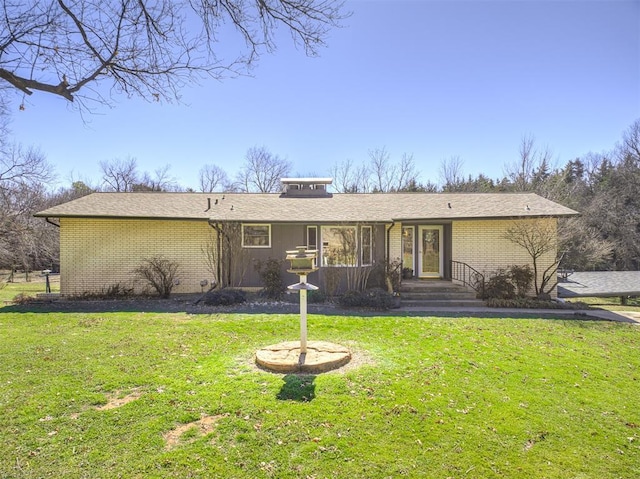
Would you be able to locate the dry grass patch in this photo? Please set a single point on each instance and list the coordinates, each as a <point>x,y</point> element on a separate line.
<point>116,399</point>
<point>196,429</point>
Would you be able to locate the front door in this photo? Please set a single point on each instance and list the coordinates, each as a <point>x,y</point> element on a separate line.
<point>430,256</point>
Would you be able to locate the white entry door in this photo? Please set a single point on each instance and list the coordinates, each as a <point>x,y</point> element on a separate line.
<point>430,257</point>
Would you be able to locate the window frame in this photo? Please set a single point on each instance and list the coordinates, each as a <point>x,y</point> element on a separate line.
<point>253,246</point>
<point>309,244</point>
<point>366,261</point>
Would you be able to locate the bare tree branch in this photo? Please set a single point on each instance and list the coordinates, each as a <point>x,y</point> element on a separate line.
<point>212,177</point>
<point>148,48</point>
<point>262,171</point>
<point>120,175</point>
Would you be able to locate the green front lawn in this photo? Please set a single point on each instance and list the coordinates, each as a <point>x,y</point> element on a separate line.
<point>8,291</point>
<point>425,397</point>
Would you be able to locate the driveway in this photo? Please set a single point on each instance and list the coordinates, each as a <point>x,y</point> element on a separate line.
<point>600,283</point>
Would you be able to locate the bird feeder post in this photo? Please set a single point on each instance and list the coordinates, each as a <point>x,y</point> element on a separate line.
<point>303,315</point>
<point>303,262</point>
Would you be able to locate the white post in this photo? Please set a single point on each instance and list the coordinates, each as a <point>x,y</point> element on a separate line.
<point>303,316</point>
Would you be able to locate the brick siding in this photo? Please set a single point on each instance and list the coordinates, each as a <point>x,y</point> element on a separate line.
<point>482,245</point>
<point>96,254</point>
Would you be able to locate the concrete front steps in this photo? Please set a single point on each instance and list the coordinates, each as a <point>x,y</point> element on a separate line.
<point>436,293</point>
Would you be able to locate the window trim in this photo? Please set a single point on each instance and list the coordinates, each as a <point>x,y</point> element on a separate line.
<point>268,245</point>
<point>369,261</point>
<point>309,245</point>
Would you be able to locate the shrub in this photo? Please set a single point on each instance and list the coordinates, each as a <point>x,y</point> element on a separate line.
<point>316,296</point>
<point>499,286</point>
<point>521,277</point>
<point>160,273</point>
<point>514,282</point>
<point>23,298</point>
<point>376,299</point>
<point>224,297</point>
<point>270,272</point>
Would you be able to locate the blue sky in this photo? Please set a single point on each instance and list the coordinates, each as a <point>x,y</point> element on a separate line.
<point>434,79</point>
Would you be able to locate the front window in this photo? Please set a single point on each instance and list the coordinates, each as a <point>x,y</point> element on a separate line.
<point>312,237</point>
<point>339,247</point>
<point>256,236</point>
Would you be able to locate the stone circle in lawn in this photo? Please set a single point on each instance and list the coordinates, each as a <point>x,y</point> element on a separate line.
<point>285,357</point>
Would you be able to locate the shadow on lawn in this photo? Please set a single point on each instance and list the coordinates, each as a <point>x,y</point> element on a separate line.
<point>297,387</point>
<point>169,306</point>
<point>187,304</point>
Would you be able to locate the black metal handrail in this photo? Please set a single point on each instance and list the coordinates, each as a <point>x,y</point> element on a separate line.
<point>468,276</point>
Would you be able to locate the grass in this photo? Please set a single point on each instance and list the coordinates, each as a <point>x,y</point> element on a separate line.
<point>8,291</point>
<point>427,397</point>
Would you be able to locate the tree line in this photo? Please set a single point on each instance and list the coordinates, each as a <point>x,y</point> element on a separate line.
<point>603,187</point>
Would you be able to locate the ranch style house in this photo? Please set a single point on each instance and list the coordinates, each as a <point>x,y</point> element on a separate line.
<point>222,237</point>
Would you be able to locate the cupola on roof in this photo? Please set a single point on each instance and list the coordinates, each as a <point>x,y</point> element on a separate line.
<point>306,187</point>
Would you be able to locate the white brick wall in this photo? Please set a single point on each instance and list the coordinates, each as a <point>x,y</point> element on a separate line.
<point>98,253</point>
<point>395,242</point>
<point>482,245</point>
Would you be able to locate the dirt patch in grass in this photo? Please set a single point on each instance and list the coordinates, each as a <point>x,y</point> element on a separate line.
<point>116,399</point>
<point>203,426</point>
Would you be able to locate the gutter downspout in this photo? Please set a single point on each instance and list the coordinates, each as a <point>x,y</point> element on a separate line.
<point>219,250</point>
<point>388,239</point>
<point>57,225</point>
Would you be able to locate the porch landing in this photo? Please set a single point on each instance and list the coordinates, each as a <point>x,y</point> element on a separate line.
<point>436,293</point>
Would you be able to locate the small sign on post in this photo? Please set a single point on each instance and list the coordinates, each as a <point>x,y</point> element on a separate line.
<point>302,262</point>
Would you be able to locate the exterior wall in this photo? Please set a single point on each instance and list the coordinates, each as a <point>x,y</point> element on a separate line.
<point>482,245</point>
<point>395,242</point>
<point>283,237</point>
<point>98,253</point>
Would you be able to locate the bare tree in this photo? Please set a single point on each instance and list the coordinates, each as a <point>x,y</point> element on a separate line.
<point>379,175</point>
<point>583,246</point>
<point>531,168</point>
<point>212,178</point>
<point>120,175</point>
<point>146,48</point>
<point>20,166</point>
<point>161,180</point>
<point>406,174</point>
<point>538,237</point>
<point>451,173</point>
<point>382,171</point>
<point>224,255</point>
<point>24,241</point>
<point>629,150</point>
<point>350,178</point>
<point>262,171</point>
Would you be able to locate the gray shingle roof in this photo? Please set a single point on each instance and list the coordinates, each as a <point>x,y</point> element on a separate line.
<point>270,207</point>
